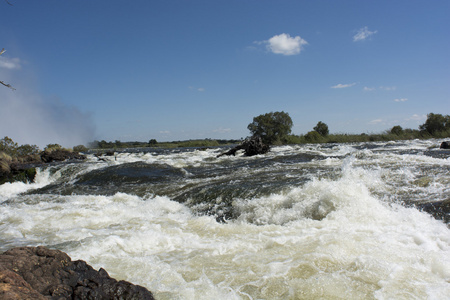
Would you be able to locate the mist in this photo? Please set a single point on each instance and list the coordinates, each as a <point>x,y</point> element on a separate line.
<point>28,117</point>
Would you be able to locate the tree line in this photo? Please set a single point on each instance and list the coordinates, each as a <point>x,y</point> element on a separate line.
<point>275,129</point>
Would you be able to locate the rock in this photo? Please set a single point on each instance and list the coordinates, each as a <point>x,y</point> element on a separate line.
<point>60,155</point>
<point>13,286</point>
<point>41,273</point>
<point>251,146</point>
<point>445,145</point>
<point>438,209</point>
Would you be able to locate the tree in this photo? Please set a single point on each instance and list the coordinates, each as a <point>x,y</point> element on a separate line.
<point>435,123</point>
<point>397,130</point>
<point>271,127</point>
<point>8,146</point>
<point>152,142</point>
<point>321,128</point>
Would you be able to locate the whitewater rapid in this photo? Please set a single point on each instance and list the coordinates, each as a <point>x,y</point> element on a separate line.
<point>341,227</point>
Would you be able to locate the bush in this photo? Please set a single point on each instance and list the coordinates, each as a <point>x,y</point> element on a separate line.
<point>313,137</point>
<point>80,148</point>
<point>52,147</point>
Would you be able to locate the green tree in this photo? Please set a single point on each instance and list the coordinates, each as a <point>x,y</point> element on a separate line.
<point>322,128</point>
<point>397,130</point>
<point>271,127</point>
<point>152,142</point>
<point>27,150</point>
<point>435,123</point>
<point>8,146</point>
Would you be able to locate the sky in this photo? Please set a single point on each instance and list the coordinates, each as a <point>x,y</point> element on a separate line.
<point>188,69</point>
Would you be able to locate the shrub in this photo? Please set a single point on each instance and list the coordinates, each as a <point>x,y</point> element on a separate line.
<point>80,148</point>
<point>52,147</point>
<point>313,137</point>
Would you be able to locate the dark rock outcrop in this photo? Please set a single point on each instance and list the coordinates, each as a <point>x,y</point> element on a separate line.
<point>251,146</point>
<point>445,145</point>
<point>41,273</point>
<point>60,155</point>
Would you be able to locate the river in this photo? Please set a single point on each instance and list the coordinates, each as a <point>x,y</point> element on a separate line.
<point>322,221</point>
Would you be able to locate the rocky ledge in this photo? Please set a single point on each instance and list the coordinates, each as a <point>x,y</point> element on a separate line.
<point>42,273</point>
<point>24,168</point>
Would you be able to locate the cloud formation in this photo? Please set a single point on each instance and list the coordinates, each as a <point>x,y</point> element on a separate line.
<point>368,89</point>
<point>363,34</point>
<point>401,100</point>
<point>342,86</point>
<point>285,44</point>
<point>9,63</point>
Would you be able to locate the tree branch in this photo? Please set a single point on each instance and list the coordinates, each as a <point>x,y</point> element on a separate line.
<point>5,84</point>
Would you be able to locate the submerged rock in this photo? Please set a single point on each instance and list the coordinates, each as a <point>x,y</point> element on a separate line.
<point>438,209</point>
<point>42,273</point>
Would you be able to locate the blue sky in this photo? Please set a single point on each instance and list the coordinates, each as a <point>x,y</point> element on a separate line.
<point>177,70</point>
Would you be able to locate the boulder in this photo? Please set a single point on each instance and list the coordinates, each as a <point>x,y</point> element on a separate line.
<point>251,146</point>
<point>42,273</point>
<point>445,145</point>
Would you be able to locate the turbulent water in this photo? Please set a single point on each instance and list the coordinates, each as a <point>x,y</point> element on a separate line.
<point>335,221</point>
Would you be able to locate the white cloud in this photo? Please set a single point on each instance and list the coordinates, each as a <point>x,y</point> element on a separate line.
<point>197,89</point>
<point>401,100</point>
<point>376,121</point>
<point>342,86</point>
<point>388,88</point>
<point>9,63</point>
<point>363,34</point>
<point>165,132</point>
<point>285,44</point>
<point>368,89</point>
<point>416,117</point>
<point>222,130</point>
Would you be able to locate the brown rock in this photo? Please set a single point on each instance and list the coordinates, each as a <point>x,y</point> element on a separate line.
<point>53,275</point>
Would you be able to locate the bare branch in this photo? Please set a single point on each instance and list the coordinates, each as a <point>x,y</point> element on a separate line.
<point>8,2</point>
<point>5,84</point>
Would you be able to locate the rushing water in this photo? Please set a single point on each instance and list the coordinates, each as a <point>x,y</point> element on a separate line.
<point>339,221</point>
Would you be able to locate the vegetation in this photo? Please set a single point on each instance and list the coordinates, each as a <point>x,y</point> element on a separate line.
<point>436,124</point>
<point>273,127</point>
<point>154,144</point>
<point>322,128</point>
<point>11,148</point>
